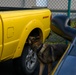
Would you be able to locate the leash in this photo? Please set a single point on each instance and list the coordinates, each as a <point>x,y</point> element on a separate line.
<point>52,54</point>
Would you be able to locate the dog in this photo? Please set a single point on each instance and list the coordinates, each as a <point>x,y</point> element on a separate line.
<point>46,53</point>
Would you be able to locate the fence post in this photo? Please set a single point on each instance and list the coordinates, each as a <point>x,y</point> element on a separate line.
<point>68,13</point>
<point>69,7</point>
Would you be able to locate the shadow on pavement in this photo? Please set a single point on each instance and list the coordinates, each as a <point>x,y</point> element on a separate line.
<point>6,68</point>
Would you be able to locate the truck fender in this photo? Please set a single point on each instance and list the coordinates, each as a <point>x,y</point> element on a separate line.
<point>27,30</point>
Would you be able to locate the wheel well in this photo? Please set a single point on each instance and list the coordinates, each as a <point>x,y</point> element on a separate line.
<point>36,32</point>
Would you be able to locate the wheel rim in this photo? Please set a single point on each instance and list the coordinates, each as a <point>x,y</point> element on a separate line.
<point>31,59</point>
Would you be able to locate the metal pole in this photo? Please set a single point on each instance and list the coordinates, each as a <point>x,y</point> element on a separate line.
<point>69,7</point>
<point>68,13</point>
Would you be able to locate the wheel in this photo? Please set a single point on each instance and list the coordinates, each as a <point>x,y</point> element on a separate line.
<point>27,63</point>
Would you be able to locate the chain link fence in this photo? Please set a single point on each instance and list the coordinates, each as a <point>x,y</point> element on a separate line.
<point>56,6</point>
<point>51,4</point>
<point>11,3</point>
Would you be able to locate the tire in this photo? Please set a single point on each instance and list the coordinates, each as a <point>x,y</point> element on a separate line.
<point>26,64</point>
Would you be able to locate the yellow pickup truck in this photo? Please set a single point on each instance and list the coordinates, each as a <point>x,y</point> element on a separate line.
<point>16,25</point>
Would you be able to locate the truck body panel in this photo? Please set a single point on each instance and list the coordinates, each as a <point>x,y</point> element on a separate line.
<point>17,25</point>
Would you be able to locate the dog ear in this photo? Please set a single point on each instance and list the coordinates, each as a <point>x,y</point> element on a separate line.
<point>31,39</point>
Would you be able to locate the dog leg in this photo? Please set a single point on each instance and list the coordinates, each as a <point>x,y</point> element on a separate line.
<point>41,68</point>
<point>49,69</point>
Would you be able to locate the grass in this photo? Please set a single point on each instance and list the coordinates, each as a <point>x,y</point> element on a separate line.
<point>55,39</point>
<point>73,23</point>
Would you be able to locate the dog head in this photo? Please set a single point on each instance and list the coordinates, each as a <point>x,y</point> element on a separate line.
<point>34,42</point>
